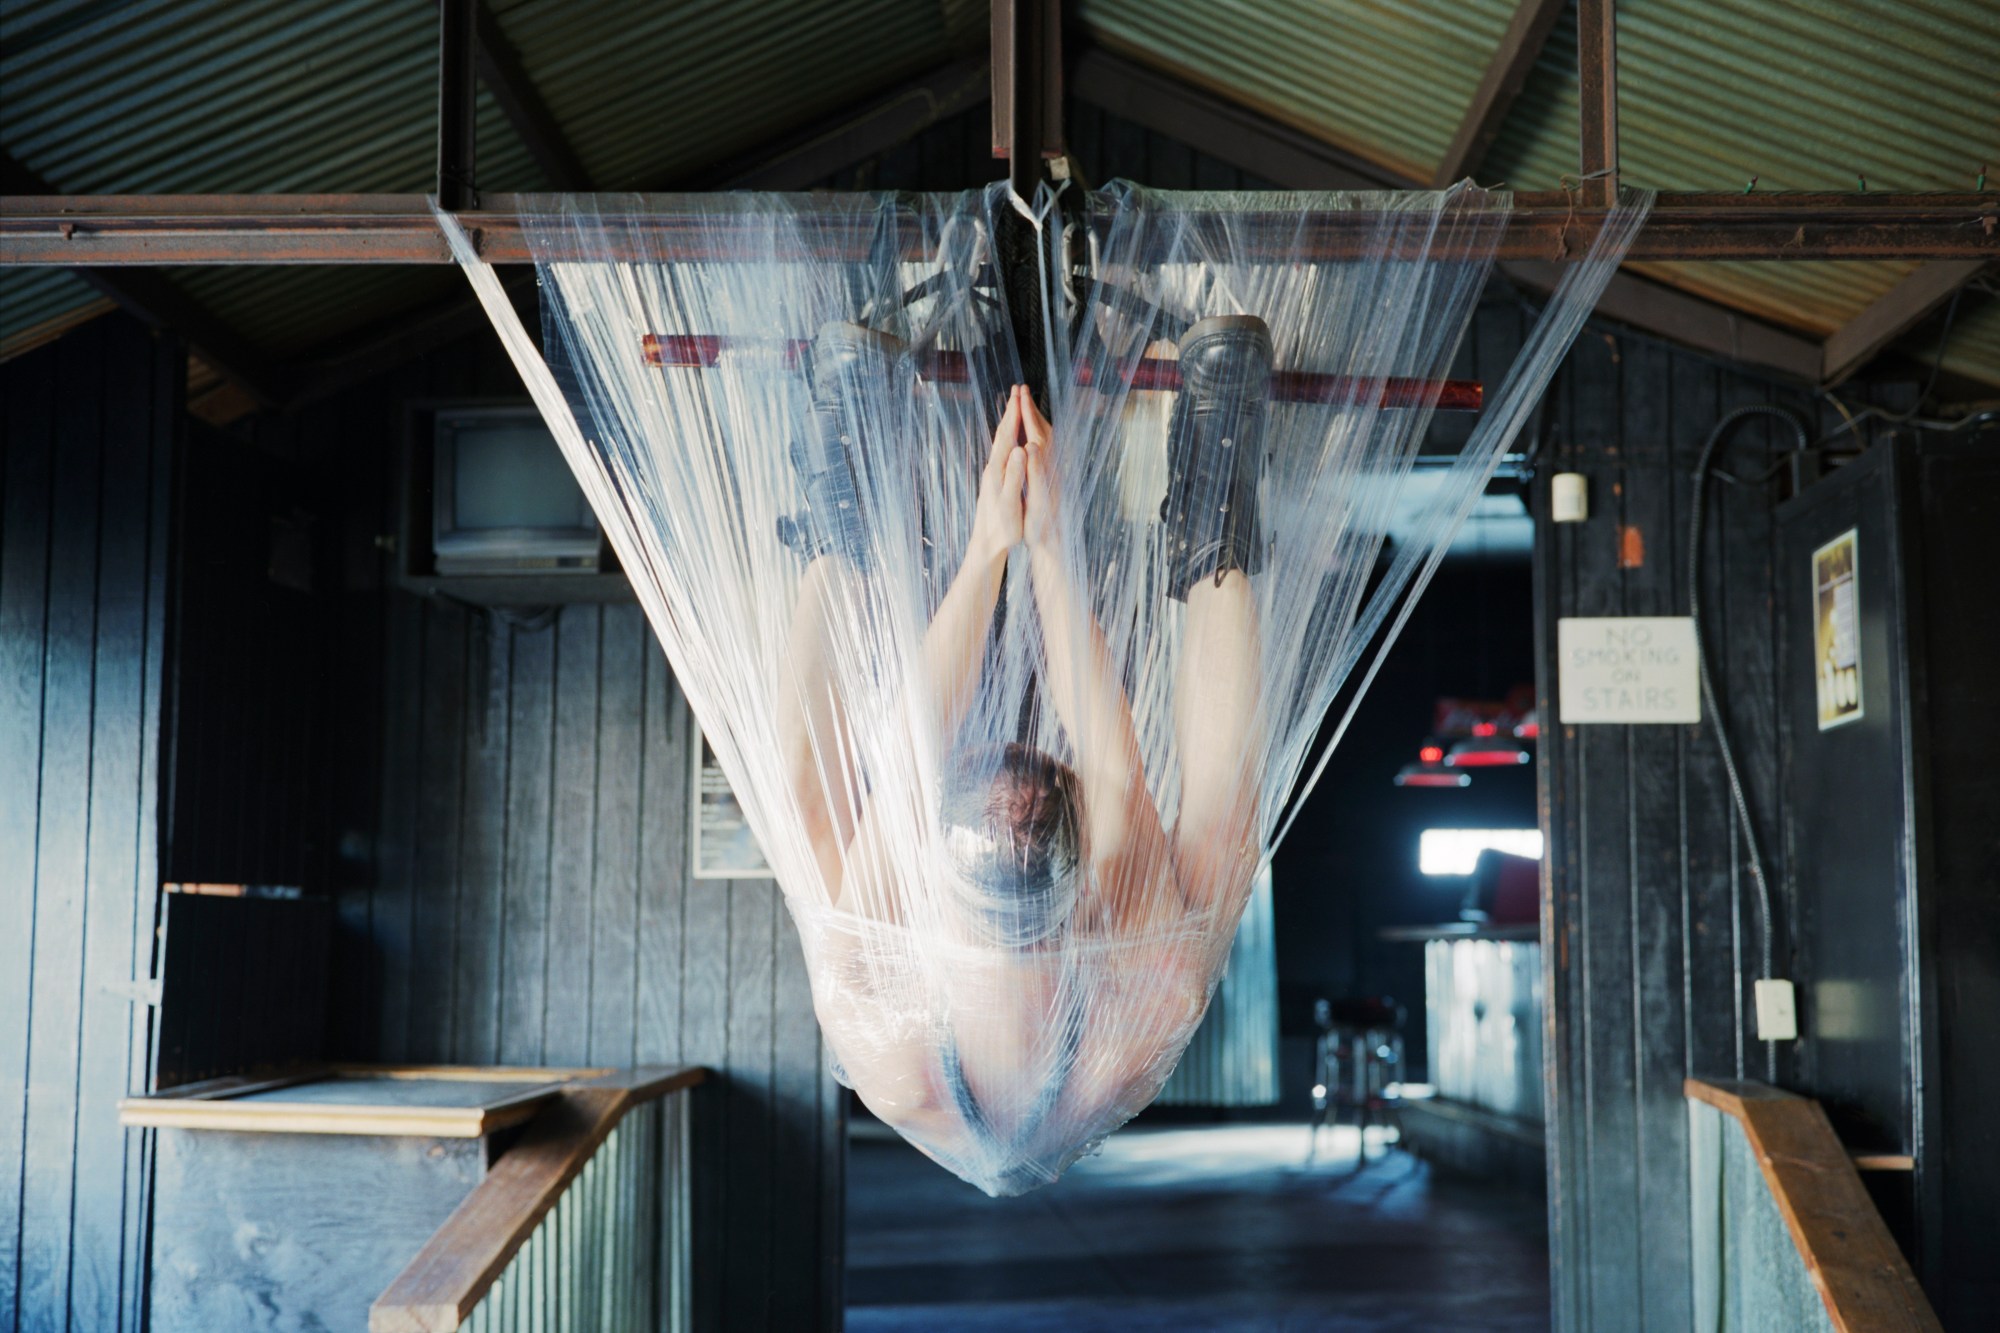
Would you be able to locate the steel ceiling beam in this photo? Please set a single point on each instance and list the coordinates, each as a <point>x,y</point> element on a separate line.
<point>101,230</point>
<point>1597,99</point>
<point>1506,74</point>
<point>458,107</point>
<point>1027,88</point>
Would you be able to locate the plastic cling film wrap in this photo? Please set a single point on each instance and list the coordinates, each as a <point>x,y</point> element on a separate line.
<point>1014,703</point>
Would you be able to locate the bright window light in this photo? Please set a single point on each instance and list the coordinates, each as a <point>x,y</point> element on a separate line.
<point>1455,851</point>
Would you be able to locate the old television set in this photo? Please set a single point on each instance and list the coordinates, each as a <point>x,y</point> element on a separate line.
<point>503,501</point>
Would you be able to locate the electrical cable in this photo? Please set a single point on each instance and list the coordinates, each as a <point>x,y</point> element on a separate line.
<point>1738,799</point>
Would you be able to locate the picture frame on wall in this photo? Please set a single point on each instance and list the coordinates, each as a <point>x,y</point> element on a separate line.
<point>723,847</point>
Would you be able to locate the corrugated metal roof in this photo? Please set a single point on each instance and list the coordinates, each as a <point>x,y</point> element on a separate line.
<point>647,94</point>
<point>40,303</point>
<point>247,96</point>
<point>107,96</point>
<point>1802,94</point>
<point>1386,82</point>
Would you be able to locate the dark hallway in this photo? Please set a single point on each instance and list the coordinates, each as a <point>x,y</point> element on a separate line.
<point>1210,1228</point>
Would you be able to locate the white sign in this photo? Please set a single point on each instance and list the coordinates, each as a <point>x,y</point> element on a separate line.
<point>1627,669</point>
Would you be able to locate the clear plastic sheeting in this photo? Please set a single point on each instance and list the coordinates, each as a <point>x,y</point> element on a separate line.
<point>1013,701</point>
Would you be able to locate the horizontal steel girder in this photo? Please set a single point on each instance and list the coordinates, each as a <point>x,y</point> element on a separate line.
<point>399,229</point>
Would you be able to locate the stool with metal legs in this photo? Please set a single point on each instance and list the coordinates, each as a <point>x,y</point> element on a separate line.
<point>1359,1065</point>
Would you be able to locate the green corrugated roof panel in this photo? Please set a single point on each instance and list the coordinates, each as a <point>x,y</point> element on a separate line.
<point>1973,347</point>
<point>1803,94</point>
<point>1386,82</point>
<point>692,84</point>
<point>231,96</point>
<point>242,96</point>
<point>34,301</point>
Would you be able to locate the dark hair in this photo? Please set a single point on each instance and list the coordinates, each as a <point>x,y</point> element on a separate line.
<point>1011,824</point>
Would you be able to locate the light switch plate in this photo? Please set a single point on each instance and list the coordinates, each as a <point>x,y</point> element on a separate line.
<point>1777,1011</point>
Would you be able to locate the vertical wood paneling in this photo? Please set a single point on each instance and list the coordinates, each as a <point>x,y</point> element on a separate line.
<point>572,837</point>
<point>1658,887</point>
<point>548,885</point>
<point>393,909</point>
<point>434,858</point>
<point>617,782</point>
<point>86,467</point>
<point>747,1178</point>
<point>524,899</point>
<point>482,834</point>
<point>29,453</point>
<point>61,859</point>
<point>1650,925</point>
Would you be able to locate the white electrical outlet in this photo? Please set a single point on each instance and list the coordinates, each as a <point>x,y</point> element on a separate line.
<point>1777,1010</point>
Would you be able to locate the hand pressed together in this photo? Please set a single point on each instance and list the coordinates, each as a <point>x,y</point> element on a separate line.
<point>1017,500</point>
<point>997,520</point>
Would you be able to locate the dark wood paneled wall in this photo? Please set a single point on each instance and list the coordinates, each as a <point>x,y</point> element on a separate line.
<point>89,439</point>
<point>1649,914</point>
<point>533,905</point>
<point>505,838</point>
<point>244,776</point>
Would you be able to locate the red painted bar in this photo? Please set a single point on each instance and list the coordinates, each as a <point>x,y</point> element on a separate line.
<point>1152,375</point>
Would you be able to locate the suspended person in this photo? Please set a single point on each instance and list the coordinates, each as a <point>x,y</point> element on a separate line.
<point>1079,938</point>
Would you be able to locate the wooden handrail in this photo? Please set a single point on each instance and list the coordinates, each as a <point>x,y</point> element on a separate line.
<point>461,1261</point>
<point>1849,1254</point>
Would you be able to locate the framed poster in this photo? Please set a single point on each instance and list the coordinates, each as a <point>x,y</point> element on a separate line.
<point>1836,632</point>
<point>723,845</point>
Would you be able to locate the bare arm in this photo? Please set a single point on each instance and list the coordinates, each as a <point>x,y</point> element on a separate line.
<point>1087,694</point>
<point>954,647</point>
<point>955,643</point>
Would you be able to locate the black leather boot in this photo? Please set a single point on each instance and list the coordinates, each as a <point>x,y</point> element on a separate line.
<point>860,390</point>
<point>1215,451</point>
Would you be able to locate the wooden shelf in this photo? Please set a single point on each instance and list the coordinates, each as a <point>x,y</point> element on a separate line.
<point>451,1102</point>
<point>521,589</point>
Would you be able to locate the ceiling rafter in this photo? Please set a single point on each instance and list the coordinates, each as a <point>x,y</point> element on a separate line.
<point>1296,161</point>
<point>1894,313</point>
<point>790,162</point>
<point>506,77</point>
<point>151,297</point>
<point>1506,74</point>
<point>1597,99</point>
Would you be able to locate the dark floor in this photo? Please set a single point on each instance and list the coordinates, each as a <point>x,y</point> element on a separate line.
<point>1194,1229</point>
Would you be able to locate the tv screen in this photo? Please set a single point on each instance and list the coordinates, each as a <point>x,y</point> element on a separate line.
<point>504,501</point>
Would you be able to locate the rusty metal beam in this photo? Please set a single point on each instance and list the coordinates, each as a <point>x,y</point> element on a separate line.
<point>154,299</point>
<point>500,69</point>
<point>1597,98</point>
<point>1893,314</point>
<point>1295,161</point>
<point>1506,74</point>
<point>105,230</point>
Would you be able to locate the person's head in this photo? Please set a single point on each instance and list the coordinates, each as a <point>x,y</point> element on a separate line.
<point>1011,830</point>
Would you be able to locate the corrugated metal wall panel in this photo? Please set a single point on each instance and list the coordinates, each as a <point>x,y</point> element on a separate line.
<point>1233,1058</point>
